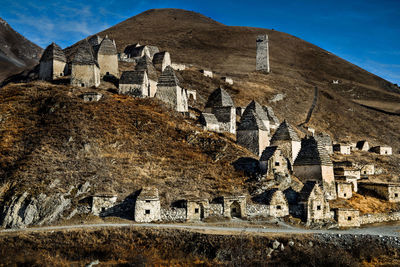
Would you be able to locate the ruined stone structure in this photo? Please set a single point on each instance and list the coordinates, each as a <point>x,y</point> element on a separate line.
<point>362,145</point>
<point>137,51</point>
<point>221,105</point>
<point>197,209</point>
<point>344,189</point>
<point>178,66</point>
<point>234,206</point>
<point>169,91</point>
<point>287,140</point>
<point>228,80</point>
<point>53,63</point>
<point>207,73</point>
<point>161,60</point>
<point>252,132</point>
<point>273,120</point>
<point>107,57</point>
<point>209,122</point>
<point>95,40</point>
<point>367,169</point>
<point>192,95</point>
<point>153,50</point>
<point>91,96</point>
<point>262,59</point>
<point>134,83</point>
<point>314,163</point>
<point>145,63</point>
<point>85,69</point>
<point>382,150</point>
<point>347,171</point>
<point>277,203</point>
<point>344,149</point>
<point>272,161</point>
<point>325,140</point>
<point>348,179</point>
<point>347,217</point>
<point>314,205</point>
<point>390,192</point>
<point>101,203</point>
<point>147,206</point>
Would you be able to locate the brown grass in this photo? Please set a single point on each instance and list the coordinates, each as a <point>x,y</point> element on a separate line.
<point>366,204</point>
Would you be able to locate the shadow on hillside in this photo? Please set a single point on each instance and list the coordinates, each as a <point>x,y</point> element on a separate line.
<point>111,79</point>
<point>249,166</point>
<point>125,209</point>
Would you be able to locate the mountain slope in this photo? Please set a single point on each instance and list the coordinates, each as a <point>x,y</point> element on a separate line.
<point>16,52</point>
<point>297,67</point>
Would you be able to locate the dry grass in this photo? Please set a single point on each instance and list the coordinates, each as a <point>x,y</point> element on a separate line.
<point>366,204</point>
<point>118,144</point>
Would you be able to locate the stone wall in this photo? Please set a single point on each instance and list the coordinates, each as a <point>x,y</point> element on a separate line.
<point>344,190</point>
<point>100,204</point>
<point>178,66</point>
<point>133,89</point>
<point>216,210</point>
<point>347,217</point>
<point>108,63</point>
<point>50,70</point>
<point>262,58</point>
<point>380,217</point>
<point>173,215</point>
<point>147,210</point>
<point>85,75</point>
<point>226,117</point>
<point>257,210</point>
<point>174,96</point>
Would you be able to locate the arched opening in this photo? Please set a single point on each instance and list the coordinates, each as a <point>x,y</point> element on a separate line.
<point>235,210</point>
<point>82,85</point>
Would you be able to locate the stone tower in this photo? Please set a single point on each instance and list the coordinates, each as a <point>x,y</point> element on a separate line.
<point>262,53</point>
<point>53,63</point>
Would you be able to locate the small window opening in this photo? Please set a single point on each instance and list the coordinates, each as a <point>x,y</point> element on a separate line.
<point>276,163</point>
<point>107,73</point>
<point>147,201</point>
<point>196,210</point>
<point>344,194</point>
<point>318,207</point>
<point>103,209</point>
<point>396,195</point>
<point>234,210</point>
<point>365,172</point>
<point>278,207</point>
<point>349,218</point>
<point>82,85</point>
<point>147,212</point>
<point>61,74</point>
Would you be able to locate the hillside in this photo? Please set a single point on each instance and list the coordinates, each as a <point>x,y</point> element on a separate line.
<point>52,143</point>
<point>16,52</point>
<point>297,67</point>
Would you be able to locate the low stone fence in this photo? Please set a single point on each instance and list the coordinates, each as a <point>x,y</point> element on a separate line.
<point>379,217</point>
<point>173,214</point>
<point>257,210</point>
<point>216,210</point>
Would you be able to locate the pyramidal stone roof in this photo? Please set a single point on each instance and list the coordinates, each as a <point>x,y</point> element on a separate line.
<point>312,153</point>
<point>307,189</point>
<point>251,121</point>
<point>107,47</point>
<point>132,77</point>
<point>84,55</point>
<point>268,152</point>
<point>271,115</point>
<point>209,119</point>
<point>148,193</point>
<point>145,63</point>
<point>285,132</point>
<point>53,52</point>
<point>134,51</point>
<point>159,57</point>
<point>168,78</point>
<point>323,139</point>
<point>94,40</point>
<point>219,98</point>
<point>258,109</point>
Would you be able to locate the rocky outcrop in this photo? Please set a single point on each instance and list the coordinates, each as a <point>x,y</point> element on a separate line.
<point>26,210</point>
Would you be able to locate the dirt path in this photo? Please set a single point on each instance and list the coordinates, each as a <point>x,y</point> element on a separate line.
<point>383,230</point>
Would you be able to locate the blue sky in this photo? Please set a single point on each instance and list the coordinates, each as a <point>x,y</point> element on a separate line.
<point>364,32</point>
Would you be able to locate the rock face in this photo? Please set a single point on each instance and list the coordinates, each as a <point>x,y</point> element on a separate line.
<point>27,210</point>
